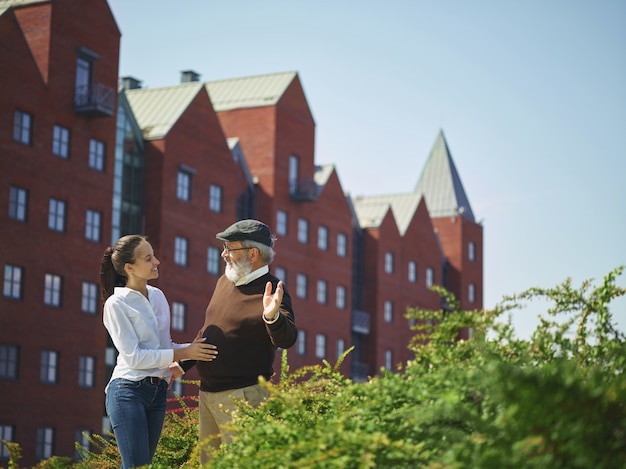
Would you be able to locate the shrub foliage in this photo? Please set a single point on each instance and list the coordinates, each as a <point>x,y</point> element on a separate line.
<point>555,400</point>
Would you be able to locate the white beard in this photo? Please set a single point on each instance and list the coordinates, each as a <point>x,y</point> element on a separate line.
<point>235,270</point>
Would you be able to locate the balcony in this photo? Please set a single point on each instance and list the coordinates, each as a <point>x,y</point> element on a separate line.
<point>360,322</point>
<point>94,100</point>
<point>304,191</point>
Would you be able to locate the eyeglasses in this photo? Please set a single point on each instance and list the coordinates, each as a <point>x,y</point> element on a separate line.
<point>229,250</point>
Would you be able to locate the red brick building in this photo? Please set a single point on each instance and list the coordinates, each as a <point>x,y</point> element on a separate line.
<point>82,163</point>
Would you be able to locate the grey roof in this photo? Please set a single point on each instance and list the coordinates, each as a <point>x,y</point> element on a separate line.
<point>441,185</point>
<point>245,92</point>
<point>158,109</point>
<point>6,4</point>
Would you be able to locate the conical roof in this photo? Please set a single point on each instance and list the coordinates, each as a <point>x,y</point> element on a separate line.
<point>441,186</point>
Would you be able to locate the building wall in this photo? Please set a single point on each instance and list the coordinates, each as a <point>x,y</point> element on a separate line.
<point>39,45</point>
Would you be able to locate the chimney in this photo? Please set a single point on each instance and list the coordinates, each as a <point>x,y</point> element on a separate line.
<point>130,83</point>
<point>187,76</point>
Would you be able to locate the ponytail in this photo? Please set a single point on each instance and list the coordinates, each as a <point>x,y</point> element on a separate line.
<point>114,259</point>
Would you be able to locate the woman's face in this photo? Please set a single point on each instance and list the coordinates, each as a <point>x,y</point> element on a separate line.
<point>146,265</point>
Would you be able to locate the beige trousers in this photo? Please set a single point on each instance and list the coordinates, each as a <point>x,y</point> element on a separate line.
<point>215,412</point>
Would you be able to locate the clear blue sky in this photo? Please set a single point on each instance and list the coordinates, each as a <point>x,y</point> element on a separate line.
<point>531,96</point>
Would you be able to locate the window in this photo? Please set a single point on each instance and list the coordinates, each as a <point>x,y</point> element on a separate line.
<point>61,141</point>
<point>183,185</point>
<point>322,238</point>
<point>340,297</point>
<point>389,262</point>
<point>281,273</point>
<point>471,293</point>
<point>430,276</point>
<point>13,286</point>
<point>303,230</point>
<point>294,164</point>
<point>45,443</point>
<point>56,215</point>
<point>89,300</point>
<point>86,371</point>
<point>49,364</point>
<point>83,77</point>
<point>320,346</point>
<point>341,347</point>
<point>321,291</point>
<point>388,359</point>
<point>301,343</point>
<point>177,388</point>
<point>213,260</point>
<point>179,316</point>
<point>52,290</point>
<point>6,434</point>
<point>471,251</point>
<point>388,311</point>
<point>9,361</point>
<point>301,286</point>
<point>342,245</point>
<point>22,127</point>
<point>96,154</point>
<point>215,199</point>
<point>180,250</point>
<point>93,226</point>
<point>281,223</point>
<point>82,438</point>
<point>412,272</point>
<point>18,203</point>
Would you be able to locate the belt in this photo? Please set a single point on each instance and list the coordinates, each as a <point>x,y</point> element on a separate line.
<point>153,380</point>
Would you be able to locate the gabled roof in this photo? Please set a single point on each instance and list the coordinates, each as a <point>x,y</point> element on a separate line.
<point>6,4</point>
<point>441,185</point>
<point>371,210</point>
<point>246,92</point>
<point>158,109</point>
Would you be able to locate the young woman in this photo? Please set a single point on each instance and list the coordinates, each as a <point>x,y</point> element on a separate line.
<point>137,317</point>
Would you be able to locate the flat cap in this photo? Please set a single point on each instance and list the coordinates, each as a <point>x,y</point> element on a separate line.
<point>247,230</point>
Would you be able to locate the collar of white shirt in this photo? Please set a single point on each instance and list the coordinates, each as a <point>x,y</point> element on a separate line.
<point>252,276</point>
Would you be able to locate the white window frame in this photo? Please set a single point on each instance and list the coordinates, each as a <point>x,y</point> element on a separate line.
<point>342,245</point>
<point>213,258</point>
<point>89,298</point>
<point>389,359</point>
<point>281,273</point>
<point>388,311</point>
<point>93,225</point>
<point>23,127</point>
<point>281,223</point>
<point>56,215</point>
<point>322,238</point>
<point>303,230</point>
<point>471,293</point>
<point>294,170</point>
<point>45,443</point>
<point>13,282</point>
<point>96,154</point>
<point>471,251</point>
<point>389,261</point>
<point>9,361</point>
<point>18,203</point>
<point>412,271</point>
<point>340,297</point>
<point>215,198</point>
<point>181,251</point>
<point>301,342</point>
<point>301,286</point>
<point>49,366</point>
<point>322,292</point>
<point>53,289</point>
<point>320,346</point>
<point>430,277</point>
<point>61,141</point>
<point>86,371</point>
<point>183,185</point>
<point>179,316</point>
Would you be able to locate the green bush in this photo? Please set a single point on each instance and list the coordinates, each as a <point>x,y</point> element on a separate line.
<point>495,401</point>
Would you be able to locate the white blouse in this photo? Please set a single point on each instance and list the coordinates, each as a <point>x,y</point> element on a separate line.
<point>140,330</point>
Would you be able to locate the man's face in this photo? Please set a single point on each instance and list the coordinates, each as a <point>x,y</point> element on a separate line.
<point>236,258</point>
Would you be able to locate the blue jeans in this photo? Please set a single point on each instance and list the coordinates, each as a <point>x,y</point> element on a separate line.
<point>136,410</point>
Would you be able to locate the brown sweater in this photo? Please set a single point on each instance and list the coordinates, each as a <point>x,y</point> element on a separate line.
<point>246,345</point>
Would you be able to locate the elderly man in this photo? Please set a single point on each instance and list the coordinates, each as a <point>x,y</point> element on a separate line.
<point>248,318</point>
